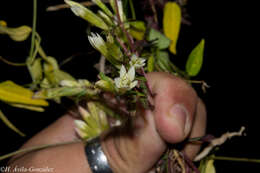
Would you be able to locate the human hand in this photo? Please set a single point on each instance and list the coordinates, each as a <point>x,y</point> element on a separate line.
<point>178,114</point>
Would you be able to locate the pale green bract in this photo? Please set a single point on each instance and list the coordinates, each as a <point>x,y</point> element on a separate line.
<point>94,122</point>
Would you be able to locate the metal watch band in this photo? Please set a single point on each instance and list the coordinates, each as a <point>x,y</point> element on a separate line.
<point>96,157</point>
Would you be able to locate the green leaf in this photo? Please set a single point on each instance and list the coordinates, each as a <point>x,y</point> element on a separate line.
<point>137,29</point>
<point>163,61</point>
<point>172,23</point>
<point>150,63</point>
<point>9,124</point>
<point>13,93</point>
<point>36,70</point>
<point>101,5</point>
<point>105,86</point>
<point>88,15</point>
<point>210,167</point>
<point>52,93</point>
<point>28,107</point>
<point>53,74</point>
<point>17,34</point>
<point>114,51</point>
<point>195,59</point>
<point>160,40</point>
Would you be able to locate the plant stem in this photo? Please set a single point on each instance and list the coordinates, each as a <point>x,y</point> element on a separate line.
<point>30,59</point>
<point>12,63</point>
<point>235,159</point>
<point>190,163</point>
<point>35,148</point>
<point>132,9</point>
<point>64,6</point>
<point>126,51</point>
<point>154,12</point>
<point>147,84</point>
<point>128,36</point>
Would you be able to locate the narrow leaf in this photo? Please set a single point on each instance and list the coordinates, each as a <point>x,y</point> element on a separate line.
<point>88,15</point>
<point>13,93</point>
<point>195,59</point>
<point>9,124</point>
<point>101,5</point>
<point>28,107</point>
<point>172,23</point>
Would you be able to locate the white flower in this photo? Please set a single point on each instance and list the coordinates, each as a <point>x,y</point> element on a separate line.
<point>126,79</point>
<point>137,62</point>
<point>98,43</point>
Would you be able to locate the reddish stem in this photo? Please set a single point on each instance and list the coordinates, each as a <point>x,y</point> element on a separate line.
<point>126,51</point>
<point>128,36</point>
<point>147,84</point>
<point>189,162</point>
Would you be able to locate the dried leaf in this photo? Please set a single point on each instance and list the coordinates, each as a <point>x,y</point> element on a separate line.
<point>17,34</point>
<point>9,124</point>
<point>195,59</point>
<point>88,15</point>
<point>13,93</point>
<point>172,23</point>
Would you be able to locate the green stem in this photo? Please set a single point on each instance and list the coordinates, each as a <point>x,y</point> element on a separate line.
<point>35,148</point>
<point>132,9</point>
<point>12,63</point>
<point>235,159</point>
<point>30,59</point>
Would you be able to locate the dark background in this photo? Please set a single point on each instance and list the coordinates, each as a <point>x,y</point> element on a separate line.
<point>229,68</point>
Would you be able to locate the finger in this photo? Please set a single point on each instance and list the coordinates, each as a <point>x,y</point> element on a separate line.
<point>175,104</point>
<point>198,130</point>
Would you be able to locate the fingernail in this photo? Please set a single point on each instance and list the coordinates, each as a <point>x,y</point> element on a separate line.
<point>180,114</point>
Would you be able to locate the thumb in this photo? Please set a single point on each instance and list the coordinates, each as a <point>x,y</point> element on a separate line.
<point>175,105</point>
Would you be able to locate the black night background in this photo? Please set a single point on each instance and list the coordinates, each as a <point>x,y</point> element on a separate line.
<point>228,68</point>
